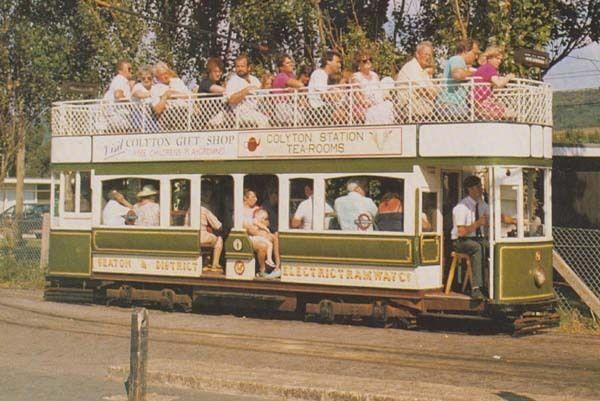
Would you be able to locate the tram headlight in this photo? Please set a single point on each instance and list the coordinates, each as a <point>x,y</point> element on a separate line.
<point>539,277</point>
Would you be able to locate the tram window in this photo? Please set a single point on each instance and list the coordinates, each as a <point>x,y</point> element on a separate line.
<point>70,178</point>
<point>533,202</point>
<point>216,194</point>
<point>180,202</point>
<point>365,203</point>
<point>508,210</point>
<point>131,201</point>
<point>429,212</point>
<point>301,203</point>
<point>265,187</point>
<point>85,192</point>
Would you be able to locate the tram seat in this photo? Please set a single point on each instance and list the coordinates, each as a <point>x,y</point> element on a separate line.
<point>468,278</point>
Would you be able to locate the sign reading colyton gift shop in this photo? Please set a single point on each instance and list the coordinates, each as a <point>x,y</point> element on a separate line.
<point>370,142</point>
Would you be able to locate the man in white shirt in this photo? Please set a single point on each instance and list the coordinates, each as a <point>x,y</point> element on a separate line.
<point>419,70</point>
<point>119,89</point>
<point>318,84</point>
<point>355,212</point>
<point>116,209</point>
<point>303,218</point>
<point>470,220</point>
<point>167,86</point>
<point>240,85</point>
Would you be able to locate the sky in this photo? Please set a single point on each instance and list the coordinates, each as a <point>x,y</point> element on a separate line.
<point>578,71</point>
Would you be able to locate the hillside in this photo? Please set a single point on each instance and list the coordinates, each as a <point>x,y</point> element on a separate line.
<point>577,116</point>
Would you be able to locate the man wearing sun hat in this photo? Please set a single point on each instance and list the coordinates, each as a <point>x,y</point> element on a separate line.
<point>146,209</point>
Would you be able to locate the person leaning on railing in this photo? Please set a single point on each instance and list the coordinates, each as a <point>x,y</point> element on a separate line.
<point>144,119</point>
<point>488,78</point>
<point>212,83</point>
<point>286,82</point>
<point>168,86</point>
<point>318,87</point>
<point>454,97</point>
<point>422,91</point>
<point>119,89</point>
<point>240,85</point>
<point>370,99</point>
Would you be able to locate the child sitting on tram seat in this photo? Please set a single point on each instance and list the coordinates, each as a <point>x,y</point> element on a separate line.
<point>261,220</point>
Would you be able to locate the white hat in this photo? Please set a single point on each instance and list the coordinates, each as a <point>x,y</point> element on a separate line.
<point>147,190</point>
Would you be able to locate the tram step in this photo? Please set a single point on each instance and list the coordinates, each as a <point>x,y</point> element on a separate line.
<point>69,295</point>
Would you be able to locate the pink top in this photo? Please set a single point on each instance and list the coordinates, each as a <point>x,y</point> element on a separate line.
<point>281,79</point>
<point>484,74</point>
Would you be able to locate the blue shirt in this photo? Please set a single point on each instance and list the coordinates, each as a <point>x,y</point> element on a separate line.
<point>453,92</point>
<point>349,207</point>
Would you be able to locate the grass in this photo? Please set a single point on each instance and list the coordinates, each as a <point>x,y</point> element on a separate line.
<point>573,322</point>
<point>577,136</point>
<point>20,265</point>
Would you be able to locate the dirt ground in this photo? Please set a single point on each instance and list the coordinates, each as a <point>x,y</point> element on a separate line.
<point>211,356</point>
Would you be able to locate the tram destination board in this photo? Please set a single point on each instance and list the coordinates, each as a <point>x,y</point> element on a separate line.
<point>532,58</point>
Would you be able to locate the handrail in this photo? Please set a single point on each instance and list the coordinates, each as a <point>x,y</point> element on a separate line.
<point>392,103</point>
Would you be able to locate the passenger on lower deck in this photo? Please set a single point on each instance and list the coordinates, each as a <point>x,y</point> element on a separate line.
<point>116,210</point>
<point>254,232</point>
<point>390,213</point>
<point>470,219</point>
<point>146,209</point>
<point>355,211</point>
<point>209,223</point>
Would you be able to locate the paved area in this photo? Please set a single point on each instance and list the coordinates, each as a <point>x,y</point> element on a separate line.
<point>75,352</point>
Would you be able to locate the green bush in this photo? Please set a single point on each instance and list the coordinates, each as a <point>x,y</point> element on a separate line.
<point>18,274</point>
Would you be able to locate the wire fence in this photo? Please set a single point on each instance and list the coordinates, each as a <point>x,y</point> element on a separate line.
<point>580,248</point>
<point>20,242</point>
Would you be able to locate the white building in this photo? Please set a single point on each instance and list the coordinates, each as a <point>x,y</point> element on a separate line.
<point>37,190</point>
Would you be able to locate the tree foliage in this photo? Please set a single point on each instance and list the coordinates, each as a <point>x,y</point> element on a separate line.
<point>555,25</point>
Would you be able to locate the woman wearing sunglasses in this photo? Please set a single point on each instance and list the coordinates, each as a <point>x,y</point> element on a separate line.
<point>370,99</point>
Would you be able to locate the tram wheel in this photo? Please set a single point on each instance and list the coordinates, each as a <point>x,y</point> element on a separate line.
<point>167,300</point>
<point>326,311</point>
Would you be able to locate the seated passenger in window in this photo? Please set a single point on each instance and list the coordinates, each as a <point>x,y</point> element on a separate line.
<point>272,208</point>
<point>261,220</point>
<point>209,223</point>
<point>146,209</point>
<point>390,214</point>
<point>258,243</point>
<point>303,217</point>
<point>116,210</point>
<point>355,211</point>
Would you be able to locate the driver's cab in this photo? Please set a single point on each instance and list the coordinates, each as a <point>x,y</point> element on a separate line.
<point>520,219</point>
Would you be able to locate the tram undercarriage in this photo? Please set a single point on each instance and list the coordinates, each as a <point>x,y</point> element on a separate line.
<point>376,307</point>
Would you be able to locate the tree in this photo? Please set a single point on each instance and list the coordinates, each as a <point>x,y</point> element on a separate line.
<point>554,25</point>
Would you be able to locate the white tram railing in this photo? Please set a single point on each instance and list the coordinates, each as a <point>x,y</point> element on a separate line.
<point>521,101</point>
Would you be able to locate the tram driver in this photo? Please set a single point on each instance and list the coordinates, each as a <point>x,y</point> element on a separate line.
<point>470,219</point>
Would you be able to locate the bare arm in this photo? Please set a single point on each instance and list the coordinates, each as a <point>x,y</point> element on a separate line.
<point>460,74</point>
<point>500,82</point>
<point>237,97</point>
<point>294,83</point>
<point>463,231</point>
<point>296,222</point>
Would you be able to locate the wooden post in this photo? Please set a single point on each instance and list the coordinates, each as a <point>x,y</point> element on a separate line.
<point>136,383</point>
<point>45,246</point>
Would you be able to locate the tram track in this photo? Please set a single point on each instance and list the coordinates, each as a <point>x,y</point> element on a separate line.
<point>392,357</point>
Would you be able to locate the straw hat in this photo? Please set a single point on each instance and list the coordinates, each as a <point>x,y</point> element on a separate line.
<point>147,190</point>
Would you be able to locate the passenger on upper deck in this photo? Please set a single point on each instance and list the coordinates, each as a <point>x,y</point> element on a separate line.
<point>146,209</point>
<point>116,210</point>
<point>286,79</point>
<point>240,85</point>
<point>470,220</point>
<point>419,71</point>
<point>318,85</point>
<point>120,89</point>
<point>212,83</point>
<point>355,212</point>
<point>377,110</point>
<point>304,74</point>
<point>487,105</point>
<point>457,70</point>
<point>168,86</point>
<point>144,119</point>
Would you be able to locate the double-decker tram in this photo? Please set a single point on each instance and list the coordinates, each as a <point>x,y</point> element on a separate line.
<point>360,210</point>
